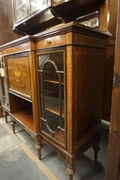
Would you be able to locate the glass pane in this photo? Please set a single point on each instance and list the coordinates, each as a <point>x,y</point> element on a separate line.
<point>5,92</point>
<point>37,5</point>
<point>20,9</point>
<point>51,78</point>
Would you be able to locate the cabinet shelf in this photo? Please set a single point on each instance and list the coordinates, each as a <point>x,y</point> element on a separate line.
<point>60,136</point>
<point>25,117</point>
<point>53,81</point>
<point>55,110</point>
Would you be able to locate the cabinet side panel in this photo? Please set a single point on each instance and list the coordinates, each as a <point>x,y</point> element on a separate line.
<point>87,93</point>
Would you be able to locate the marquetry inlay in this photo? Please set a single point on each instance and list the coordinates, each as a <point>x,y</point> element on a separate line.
<point>69,50</point>
<point>18,71</point>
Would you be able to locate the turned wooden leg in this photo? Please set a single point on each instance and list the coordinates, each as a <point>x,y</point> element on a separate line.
<point>96,149</point>
<point>13,126</point>
<point>70,170</point>
<point>38,146</point>
<point>5,114</point>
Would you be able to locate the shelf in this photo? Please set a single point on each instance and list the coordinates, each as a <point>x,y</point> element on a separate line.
<point>53,81</point>
<point>55,110</point>
<point>25,117</point>
<point>60,136</point>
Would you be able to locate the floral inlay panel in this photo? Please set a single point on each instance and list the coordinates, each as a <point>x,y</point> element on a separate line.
<point>19,75</point>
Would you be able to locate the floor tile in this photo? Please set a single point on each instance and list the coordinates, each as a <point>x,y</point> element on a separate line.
<point>8,142</point>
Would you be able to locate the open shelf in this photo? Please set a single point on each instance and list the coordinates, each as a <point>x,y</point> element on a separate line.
<point>52,81</point>
<point>25,117</point>
<point>21,110</point>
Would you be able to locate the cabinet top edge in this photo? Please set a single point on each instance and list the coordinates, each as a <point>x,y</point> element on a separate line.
<point>21,40</point>
<point>73,27</point>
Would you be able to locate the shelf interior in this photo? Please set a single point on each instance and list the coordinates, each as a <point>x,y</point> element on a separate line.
<point>25,117</point>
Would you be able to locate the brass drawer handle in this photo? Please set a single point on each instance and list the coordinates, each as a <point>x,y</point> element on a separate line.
<point>48,42</point>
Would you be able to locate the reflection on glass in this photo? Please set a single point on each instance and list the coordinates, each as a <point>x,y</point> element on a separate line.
<point>51,78</point>
<point>21,9</point>
<point>91,19</point>
<point>37,5</point>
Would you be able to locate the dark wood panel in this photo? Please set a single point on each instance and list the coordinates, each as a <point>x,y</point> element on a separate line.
<point>113,163</point>
<point>6,22</point>
<point>110,61</point>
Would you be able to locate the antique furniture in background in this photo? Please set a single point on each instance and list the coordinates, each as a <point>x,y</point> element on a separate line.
<point>109,63</point>
<point>34,16</point>
<point>113,162</point>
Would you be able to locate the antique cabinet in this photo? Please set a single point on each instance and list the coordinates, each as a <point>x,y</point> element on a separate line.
<point>70,77</point>
<point>55,88</point>
<point>33,16</point>
<point>19,66</point>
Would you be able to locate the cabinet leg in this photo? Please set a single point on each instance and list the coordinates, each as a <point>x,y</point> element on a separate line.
<point>70,170</point>
<point>38,147</point>
<point>13,126</point>
<point>5,114</point>
<point>96,148</point>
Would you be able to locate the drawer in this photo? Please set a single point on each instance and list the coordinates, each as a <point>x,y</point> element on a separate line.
<point>53,41</point>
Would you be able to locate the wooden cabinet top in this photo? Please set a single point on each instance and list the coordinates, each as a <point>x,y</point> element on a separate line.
<point>59,35</point>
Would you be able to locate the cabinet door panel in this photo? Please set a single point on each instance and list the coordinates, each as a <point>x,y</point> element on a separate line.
<point>51,81</point>
<point>20,7</point>
<point>36,5</point>
<point>19,76</point>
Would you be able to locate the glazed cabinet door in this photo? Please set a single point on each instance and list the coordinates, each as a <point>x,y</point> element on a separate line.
<point>36,5</point>
<point>51,85</point>
<point>20,9</point>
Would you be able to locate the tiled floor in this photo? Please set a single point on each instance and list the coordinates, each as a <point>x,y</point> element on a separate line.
<point>18,158</point>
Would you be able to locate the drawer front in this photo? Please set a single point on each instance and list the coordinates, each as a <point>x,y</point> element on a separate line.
<point>53,41</point>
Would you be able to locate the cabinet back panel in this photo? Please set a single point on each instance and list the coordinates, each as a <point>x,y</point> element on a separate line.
<point>18,104</point>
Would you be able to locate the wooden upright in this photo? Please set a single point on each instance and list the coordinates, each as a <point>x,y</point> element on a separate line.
<point>113,164</point>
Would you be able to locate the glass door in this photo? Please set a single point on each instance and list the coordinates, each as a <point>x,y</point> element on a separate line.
<point>52,99</point>
<point>21,10</point>
<point>36,5</point>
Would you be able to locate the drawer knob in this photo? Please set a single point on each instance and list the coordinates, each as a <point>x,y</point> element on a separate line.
<point>48,42</point>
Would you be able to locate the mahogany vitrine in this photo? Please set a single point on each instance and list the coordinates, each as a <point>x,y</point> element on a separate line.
<point>55,83</point>
<point>70,79</point>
